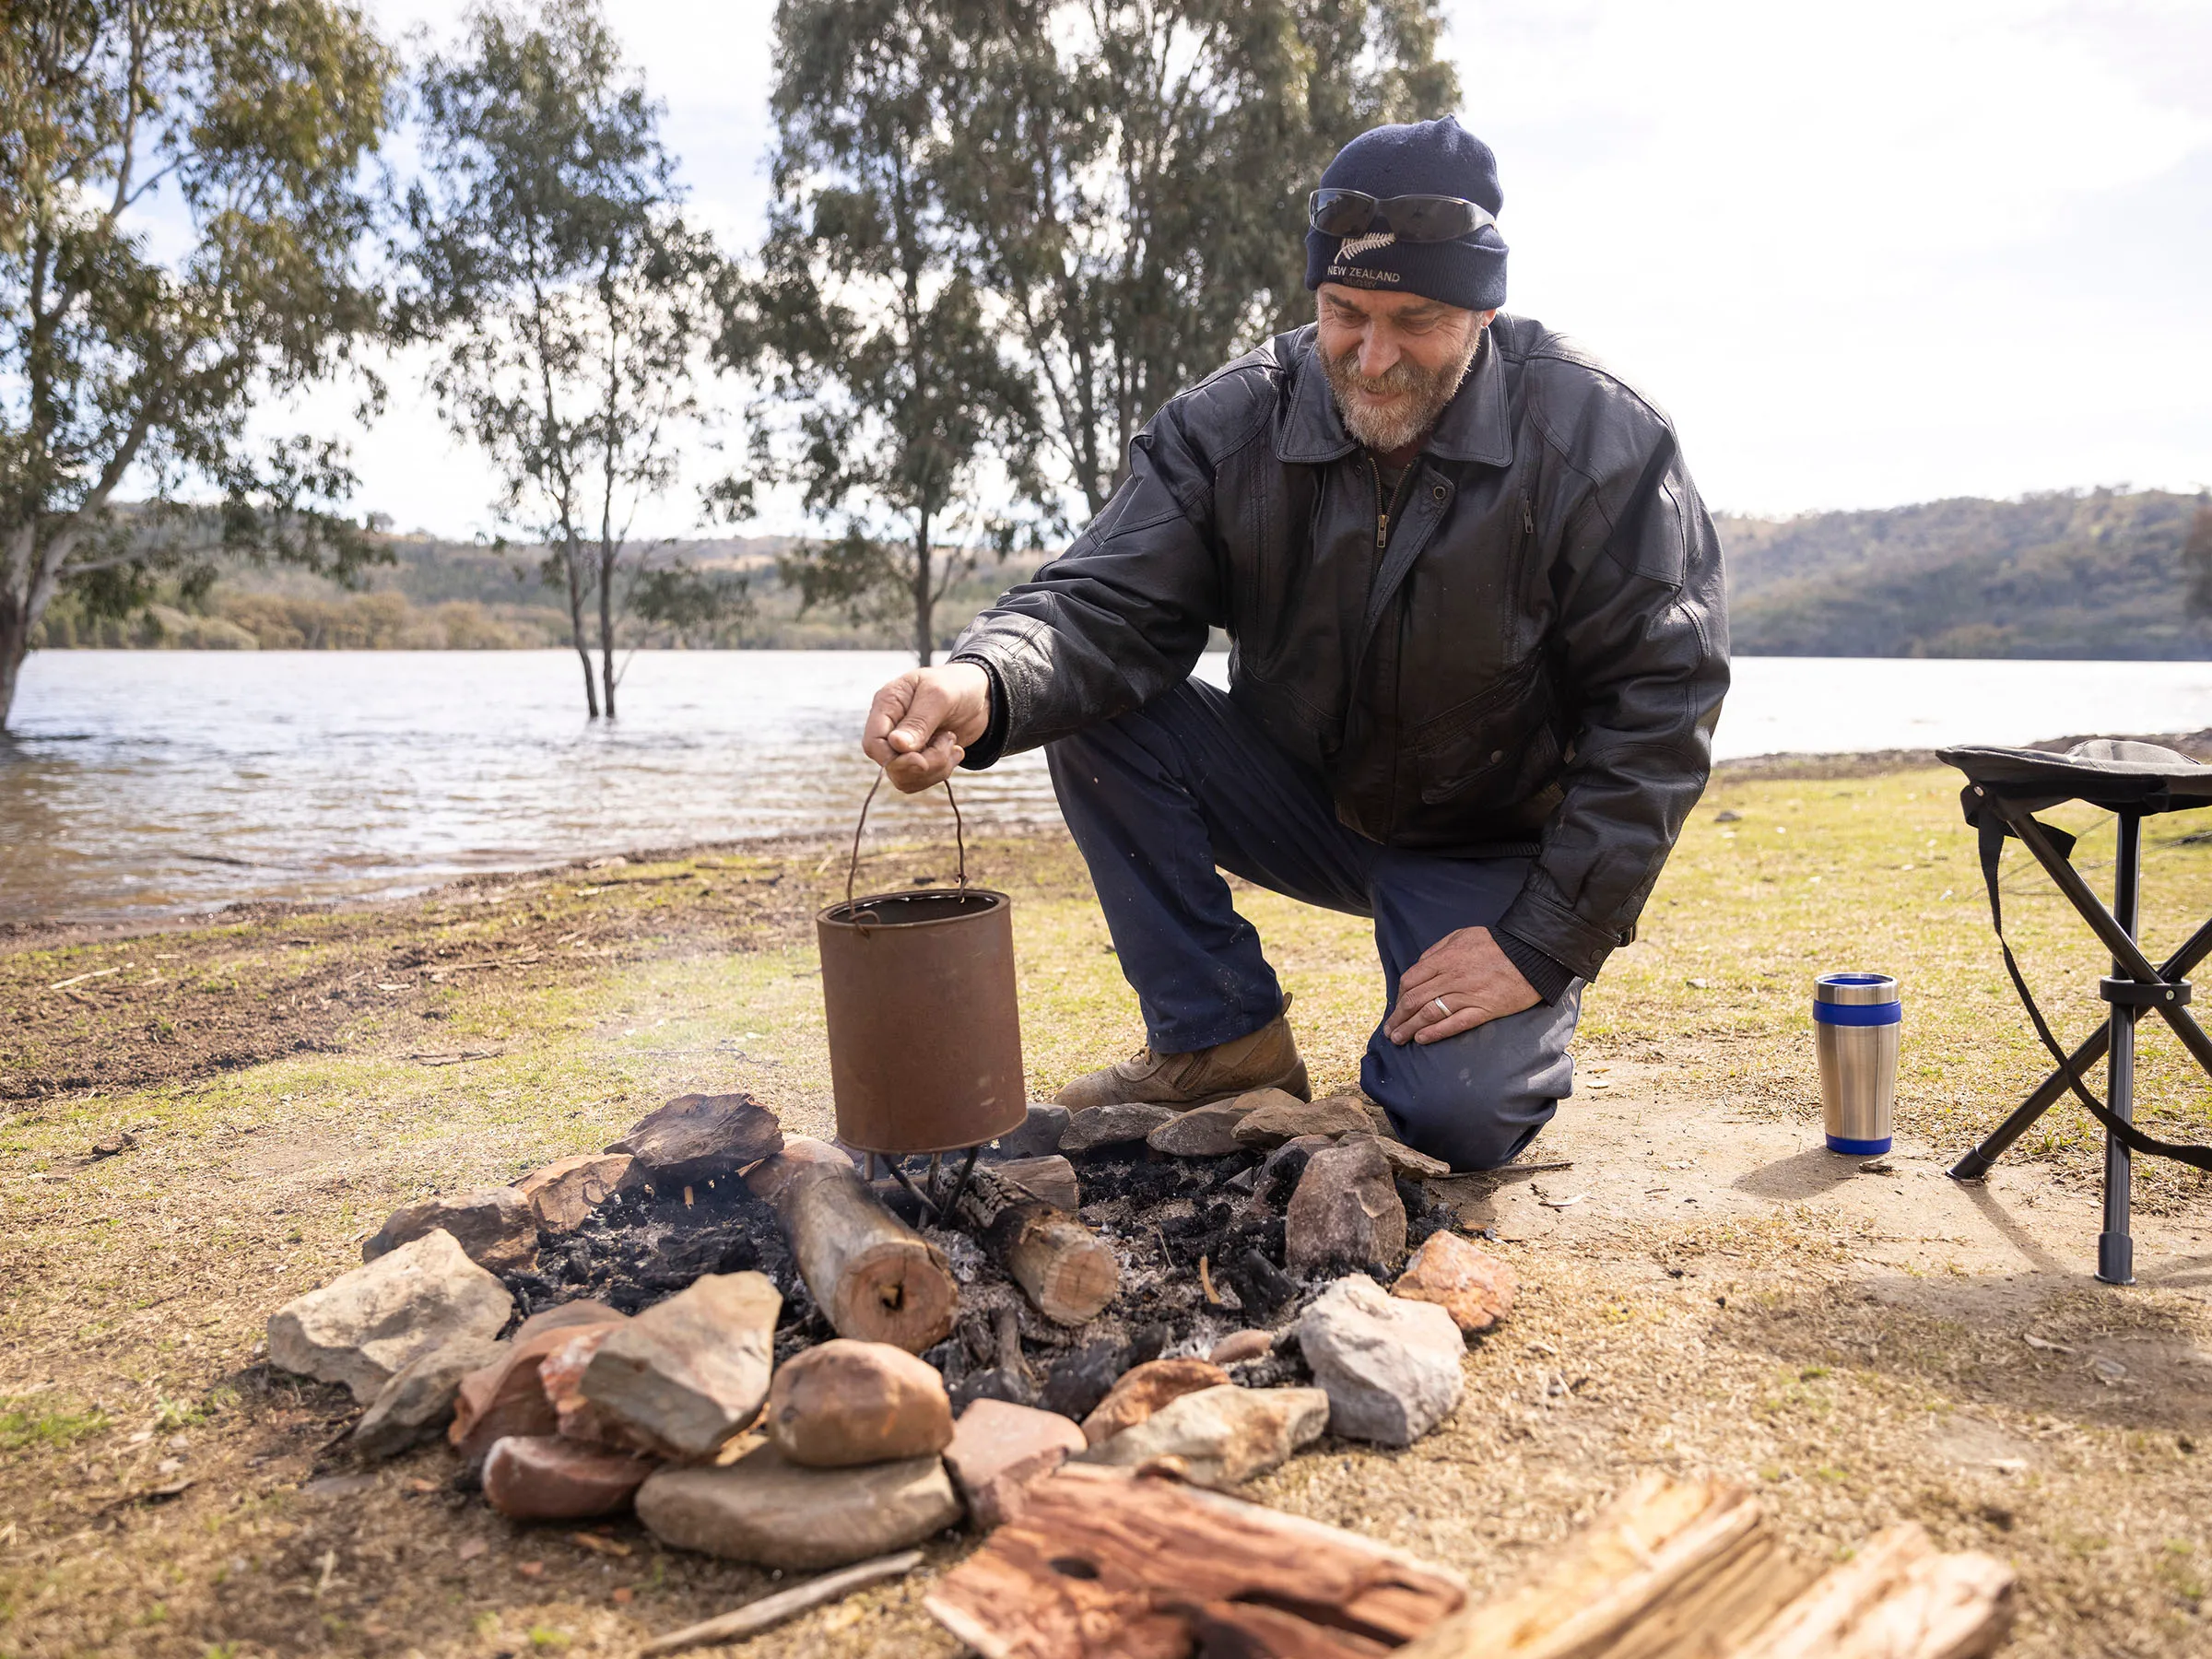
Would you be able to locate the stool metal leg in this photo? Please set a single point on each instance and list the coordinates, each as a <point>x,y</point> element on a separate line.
<point>2115,1247</point>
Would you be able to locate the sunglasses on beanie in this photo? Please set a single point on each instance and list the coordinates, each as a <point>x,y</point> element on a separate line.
<point>1421,219</point>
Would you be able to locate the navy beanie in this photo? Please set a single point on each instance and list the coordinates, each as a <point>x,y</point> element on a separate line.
<point>1423,158</point>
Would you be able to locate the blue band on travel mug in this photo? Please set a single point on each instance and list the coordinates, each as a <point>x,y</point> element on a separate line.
<point>1873,1149</point>
<point>1859,1014</point>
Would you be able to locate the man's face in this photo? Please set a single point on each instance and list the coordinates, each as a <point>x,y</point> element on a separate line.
<point>1394,360</point>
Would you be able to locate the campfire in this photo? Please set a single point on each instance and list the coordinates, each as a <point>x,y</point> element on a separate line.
<point>779,1351</point>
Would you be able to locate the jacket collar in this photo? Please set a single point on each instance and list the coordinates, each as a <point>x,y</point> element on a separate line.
<point>1473,427</point>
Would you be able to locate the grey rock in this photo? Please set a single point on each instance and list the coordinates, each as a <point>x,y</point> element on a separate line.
<point>1276,1177</point>
<point>698,1138</point>
<point>766,1509</point>
<point>417,1402</point>
<point>1096,1126</point>
<point>1391,1367</point>
<point>1077,1382</point>
<point>365,1325</point>
<point>688,1374</point>
<point>1346,1211</point>
<point>1413,1165</point>
<point>1276,1117</point>
<point>495,1226</point>
<point>1039,1135</point>
<point>1202,1132</point>
<point>1222,1436</point>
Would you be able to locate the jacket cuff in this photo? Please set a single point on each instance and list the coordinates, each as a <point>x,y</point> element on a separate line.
<point>1546,974</point>
<point>985,750</point>
<point>1537,918</point>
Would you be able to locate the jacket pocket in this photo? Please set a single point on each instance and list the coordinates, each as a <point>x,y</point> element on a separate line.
<point>1496,751</point>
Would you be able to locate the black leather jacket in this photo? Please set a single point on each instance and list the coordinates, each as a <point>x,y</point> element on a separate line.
<point>1530,663</point>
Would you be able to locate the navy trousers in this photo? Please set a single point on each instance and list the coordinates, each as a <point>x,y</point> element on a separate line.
<point>1159,798</point>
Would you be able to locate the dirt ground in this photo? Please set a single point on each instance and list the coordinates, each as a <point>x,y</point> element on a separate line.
<point>1703,1287</point>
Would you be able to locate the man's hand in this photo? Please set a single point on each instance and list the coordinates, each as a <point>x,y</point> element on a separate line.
<point>1461,982</point>
<point>921,723</point>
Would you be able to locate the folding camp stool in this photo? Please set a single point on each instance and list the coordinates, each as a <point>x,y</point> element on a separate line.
<point>2006,788</point>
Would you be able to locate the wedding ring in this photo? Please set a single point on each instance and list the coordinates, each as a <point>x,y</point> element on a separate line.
<point>1441,1009</point>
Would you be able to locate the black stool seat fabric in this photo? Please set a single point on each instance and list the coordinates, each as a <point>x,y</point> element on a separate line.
<point>2116,773</point>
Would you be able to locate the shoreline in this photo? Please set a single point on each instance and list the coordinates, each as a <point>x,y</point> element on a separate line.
<point>53,932</point>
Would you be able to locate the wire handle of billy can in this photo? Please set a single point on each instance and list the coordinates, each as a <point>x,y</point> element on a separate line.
<point>960,837</point>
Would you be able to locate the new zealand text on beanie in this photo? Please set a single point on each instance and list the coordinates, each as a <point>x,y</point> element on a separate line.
<point>1423,158</point>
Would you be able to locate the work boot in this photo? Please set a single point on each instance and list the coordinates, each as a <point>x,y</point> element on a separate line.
<point>1268,1058</point>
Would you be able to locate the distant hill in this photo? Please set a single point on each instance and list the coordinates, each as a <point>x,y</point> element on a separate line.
<point>2083,574</point>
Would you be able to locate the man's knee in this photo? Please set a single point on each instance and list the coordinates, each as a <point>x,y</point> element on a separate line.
<point>1476,1110</point>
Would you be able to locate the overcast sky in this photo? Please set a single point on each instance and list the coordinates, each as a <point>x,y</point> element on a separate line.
<point>1864,255</point>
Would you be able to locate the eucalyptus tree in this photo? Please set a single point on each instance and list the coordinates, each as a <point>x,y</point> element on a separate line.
<point>890,402</point>
<point>549,257</point>
<point>184,201</point>
<point>1131,179</point>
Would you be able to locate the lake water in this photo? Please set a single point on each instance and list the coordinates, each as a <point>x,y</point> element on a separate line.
<point>150,783</point>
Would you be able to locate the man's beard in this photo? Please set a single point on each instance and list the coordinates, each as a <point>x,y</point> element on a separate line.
<point>1406,420</point>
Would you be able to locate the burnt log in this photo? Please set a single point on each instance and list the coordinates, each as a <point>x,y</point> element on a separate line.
<point>1068,1271</point>
<point>1051,1179</point>
<point>875,1279</point>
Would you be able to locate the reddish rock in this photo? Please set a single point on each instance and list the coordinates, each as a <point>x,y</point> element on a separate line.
<point>1473,1286</point>
<point>1346,1211</point>
<point>509,1397</point>
<point>688,1374</point>
<point>561,1374</point>
<point>1240,1346</point>
<point>565,1195</point>
<point>698,1138</point>
<point>494,1226</point>
<point>1144,1391</point>
<point>842,1403</point>
<point>1000,1450</point>
<point>547,1477</point>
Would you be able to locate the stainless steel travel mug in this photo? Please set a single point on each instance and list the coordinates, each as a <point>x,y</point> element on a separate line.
<point>1856,1021</point>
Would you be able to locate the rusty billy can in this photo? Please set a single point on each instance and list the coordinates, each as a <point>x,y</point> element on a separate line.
<point>925,1023</point>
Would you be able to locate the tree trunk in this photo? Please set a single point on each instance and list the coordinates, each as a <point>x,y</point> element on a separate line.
<point>875,1279</point>
<point>925,640</point>
<point>584,650</point>
<point>14,645</point>
<point>606,623</point>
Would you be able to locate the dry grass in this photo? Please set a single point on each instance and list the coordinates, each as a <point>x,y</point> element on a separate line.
<point>134,1288</point>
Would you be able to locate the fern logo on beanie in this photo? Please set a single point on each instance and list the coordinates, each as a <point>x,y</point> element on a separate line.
<point>1352,247</point>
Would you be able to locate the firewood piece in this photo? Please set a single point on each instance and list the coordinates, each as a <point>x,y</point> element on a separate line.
<point>1895,1599</point>
<point>874,1278</point>
<point>1100,1562</point>
<point>1051,1179</point>
<point>1069,1272</point>
<point>756,1617</point>
<point>1670,1569</point>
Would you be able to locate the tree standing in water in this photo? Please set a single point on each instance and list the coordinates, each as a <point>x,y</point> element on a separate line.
<point>549,258</point>
<point>181,207</point>
<point>890,403</point>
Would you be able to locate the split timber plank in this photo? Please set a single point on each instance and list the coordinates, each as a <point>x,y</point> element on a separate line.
<point>1103,1564</point>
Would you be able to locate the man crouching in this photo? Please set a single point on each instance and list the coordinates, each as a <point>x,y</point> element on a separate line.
<point>1480,645</point>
